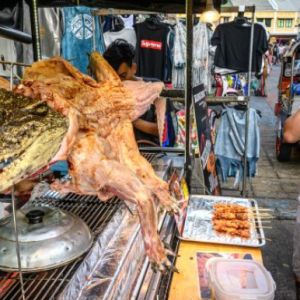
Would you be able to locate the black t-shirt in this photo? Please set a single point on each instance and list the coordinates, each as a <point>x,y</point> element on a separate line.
<point>151,49</point>
<point>149,116</point>
<point>233,43</point>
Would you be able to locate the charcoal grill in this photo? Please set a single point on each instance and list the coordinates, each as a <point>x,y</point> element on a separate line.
<point>49,284</point>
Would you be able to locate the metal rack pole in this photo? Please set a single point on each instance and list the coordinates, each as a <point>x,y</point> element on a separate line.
<point>35,30</point>
<point>188,89</point>
<point>13,200</point>
<point>247,112</point>
<point>17,241</point>
<point>11,77</point>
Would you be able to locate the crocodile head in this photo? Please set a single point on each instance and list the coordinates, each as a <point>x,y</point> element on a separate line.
<point>31,133</point>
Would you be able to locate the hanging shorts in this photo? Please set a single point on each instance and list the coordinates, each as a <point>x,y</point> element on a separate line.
<point>296,243</point>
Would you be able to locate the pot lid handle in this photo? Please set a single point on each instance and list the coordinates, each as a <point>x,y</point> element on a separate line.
<point>35,216</point>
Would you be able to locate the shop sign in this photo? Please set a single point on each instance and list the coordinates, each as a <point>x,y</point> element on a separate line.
<point>207,156</point>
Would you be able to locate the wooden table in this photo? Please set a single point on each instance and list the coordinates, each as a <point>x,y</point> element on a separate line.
<point>185,285</point>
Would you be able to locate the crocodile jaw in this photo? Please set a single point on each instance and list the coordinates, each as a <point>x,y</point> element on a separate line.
<point>31,134</point>
<point>35,157</point>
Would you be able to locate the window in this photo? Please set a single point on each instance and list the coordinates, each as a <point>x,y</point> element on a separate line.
<point>280,23</point>
<point>288,23</point>
<point>268,22</point>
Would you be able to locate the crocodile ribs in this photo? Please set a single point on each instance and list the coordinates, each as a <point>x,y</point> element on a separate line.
<point>99,145</point>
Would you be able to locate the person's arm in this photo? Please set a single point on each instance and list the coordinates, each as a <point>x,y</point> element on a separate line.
<point>291,133</point>
<point>23,187</point>
<point>146,127</point>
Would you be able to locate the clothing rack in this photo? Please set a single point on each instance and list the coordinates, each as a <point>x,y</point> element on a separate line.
<point>241,10</point>
<point>178,95</point>
<point>112,11</point>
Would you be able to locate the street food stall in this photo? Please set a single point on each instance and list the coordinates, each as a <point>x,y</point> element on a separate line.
<point>83,248</point>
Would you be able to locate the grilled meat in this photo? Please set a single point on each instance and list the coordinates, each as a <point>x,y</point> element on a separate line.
<point>99,146</point>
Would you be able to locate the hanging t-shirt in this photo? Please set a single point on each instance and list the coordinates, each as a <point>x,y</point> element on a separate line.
<point>233,42</point>
<point>81,32</point>
<point>151,49</point>
<point>126,34</point>
<point>128,21</point>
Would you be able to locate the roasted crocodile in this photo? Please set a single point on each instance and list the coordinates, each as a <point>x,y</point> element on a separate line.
<point>31,134</point>
<point>99,145</point>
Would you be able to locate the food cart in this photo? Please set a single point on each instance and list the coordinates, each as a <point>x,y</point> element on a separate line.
<point>115,267</point>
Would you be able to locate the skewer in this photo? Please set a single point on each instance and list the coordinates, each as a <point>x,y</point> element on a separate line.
<point>232,216</point>
<point>239,213</point>
<point>269,240</point>
<point>264,227</point>
<point>250,215</point>
<point>236,220</point>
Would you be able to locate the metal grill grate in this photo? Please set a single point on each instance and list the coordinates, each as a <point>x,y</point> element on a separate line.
<point>49,284</point>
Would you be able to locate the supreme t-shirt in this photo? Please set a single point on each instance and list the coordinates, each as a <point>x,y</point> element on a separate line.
<point>151,49</point>
<point>233,44</point>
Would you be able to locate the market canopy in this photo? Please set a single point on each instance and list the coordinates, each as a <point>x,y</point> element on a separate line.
<point>164,6</point>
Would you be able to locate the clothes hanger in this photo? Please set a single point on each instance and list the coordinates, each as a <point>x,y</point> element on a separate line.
<point>118,25</point>
<point>242,20</point>
<point>153,19</point>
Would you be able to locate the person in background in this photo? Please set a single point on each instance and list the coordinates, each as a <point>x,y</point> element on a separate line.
<point>291,134</point>
<point>120,55</point>
<point>281,49</point>
<point>275,54</point>
<point>270,56</point>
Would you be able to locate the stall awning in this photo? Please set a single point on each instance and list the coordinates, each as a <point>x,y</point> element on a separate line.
<point>164,6</point>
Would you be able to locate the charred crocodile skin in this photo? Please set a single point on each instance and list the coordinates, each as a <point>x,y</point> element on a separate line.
<point>30,135</point>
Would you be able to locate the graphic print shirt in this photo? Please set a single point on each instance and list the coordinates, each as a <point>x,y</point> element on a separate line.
<point>151,49</point>
<point>81,32</point>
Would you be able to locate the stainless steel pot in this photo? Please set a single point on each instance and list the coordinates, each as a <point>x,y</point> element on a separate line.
<point>48,238</point>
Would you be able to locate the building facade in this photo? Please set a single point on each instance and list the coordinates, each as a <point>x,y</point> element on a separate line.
<point>281,17</point>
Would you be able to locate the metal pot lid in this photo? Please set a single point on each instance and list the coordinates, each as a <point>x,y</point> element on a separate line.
<point>48,238</point>
<point>36,224</point>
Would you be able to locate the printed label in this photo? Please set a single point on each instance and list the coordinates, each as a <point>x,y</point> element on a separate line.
<point>82,26</point>
<point>151,44</point>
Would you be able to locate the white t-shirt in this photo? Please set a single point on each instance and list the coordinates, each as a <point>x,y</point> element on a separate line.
<point>7,53</point>
<point>128,22</point>
<point>126,34</point>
